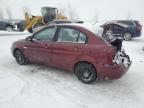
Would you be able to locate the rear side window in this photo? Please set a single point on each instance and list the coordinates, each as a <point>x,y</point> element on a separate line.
<point>107,27</point>
<point>116,27</point>
<point>71,35</point>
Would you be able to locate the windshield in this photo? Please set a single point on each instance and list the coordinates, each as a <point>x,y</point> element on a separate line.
<point>48,11</point>
<point>44,12</point>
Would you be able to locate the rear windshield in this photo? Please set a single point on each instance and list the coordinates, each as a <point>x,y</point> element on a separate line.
<point>127,22</point>
<point>98,31</point>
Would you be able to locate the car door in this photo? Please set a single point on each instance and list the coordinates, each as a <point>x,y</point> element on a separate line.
<point>39,49</point>
<point>68,48</point>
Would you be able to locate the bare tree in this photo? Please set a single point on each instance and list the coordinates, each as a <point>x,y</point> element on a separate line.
<point>1,14</point>
<point>72,13</point>
<point>69,11</point>
<point>26,12</point>
<point>8,11</point>
<point>128,16</point>
<point>96,17</point>
<point>62,10</point>
<point>26,9</point>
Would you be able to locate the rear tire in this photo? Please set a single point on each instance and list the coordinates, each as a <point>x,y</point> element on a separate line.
<point>20,57</point>
<point>85,72</point>
<point>127,36</point>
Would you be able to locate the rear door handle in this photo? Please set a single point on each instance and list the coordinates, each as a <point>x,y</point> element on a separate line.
<point>76,49</point>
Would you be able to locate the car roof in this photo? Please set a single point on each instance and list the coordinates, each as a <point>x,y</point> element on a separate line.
<point>5,20</point>
<point>117,23</point>
<point>127,20</point>
<point>91,27</point>
<point>83,25</point>
<point>96,29</point>
<point>59,20</point>
<point>65,20</point>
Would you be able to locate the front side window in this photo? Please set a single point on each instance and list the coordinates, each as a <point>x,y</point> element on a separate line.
<point>71,35</point>
<point>46,34</point>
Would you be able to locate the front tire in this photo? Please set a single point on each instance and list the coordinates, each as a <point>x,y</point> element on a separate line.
<point>127,36</point>
<point>85,72</point>
<point>9,28</point>
<point>20,57</point>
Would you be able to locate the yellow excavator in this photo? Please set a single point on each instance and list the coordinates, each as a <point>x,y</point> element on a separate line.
<point>48,14</point>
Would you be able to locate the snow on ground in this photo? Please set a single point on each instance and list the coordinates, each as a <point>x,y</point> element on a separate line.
<point>36,86</point>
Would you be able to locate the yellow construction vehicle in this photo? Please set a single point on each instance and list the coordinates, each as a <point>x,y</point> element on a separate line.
<point>48,15</point>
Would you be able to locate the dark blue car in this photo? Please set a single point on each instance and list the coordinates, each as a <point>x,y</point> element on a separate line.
<point>127,29</point>
<point>21,25</point>
<point>6,25</point>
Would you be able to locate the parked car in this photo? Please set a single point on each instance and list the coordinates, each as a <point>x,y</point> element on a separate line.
<point>20,25</point>
<point>6,25</point>
<point>76,48</point>
<point>127,29</point>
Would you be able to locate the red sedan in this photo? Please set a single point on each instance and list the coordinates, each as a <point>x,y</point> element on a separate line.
<point>73,47</point>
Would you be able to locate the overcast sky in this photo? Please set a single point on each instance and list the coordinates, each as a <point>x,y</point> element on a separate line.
<point>86,9</point>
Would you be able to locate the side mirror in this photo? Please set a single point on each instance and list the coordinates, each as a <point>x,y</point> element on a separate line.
<point>29,38</point>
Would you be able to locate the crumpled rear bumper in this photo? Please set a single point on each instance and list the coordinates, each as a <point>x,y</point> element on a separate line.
<point>121,65</point>
<point>112,72</point>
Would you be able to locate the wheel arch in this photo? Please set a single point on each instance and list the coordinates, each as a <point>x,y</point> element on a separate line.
<point>15,49</point>
<point>7,25</point>
<point>79,62</point>
<point>128,31</point>
<point>25,61</point>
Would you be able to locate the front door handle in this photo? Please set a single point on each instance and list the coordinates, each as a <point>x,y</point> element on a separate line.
<point>47,45</point>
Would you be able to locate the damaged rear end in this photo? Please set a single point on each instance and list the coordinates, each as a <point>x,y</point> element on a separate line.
<point>118,65</point>
<point>119,61</point>
<point>121,58</point>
